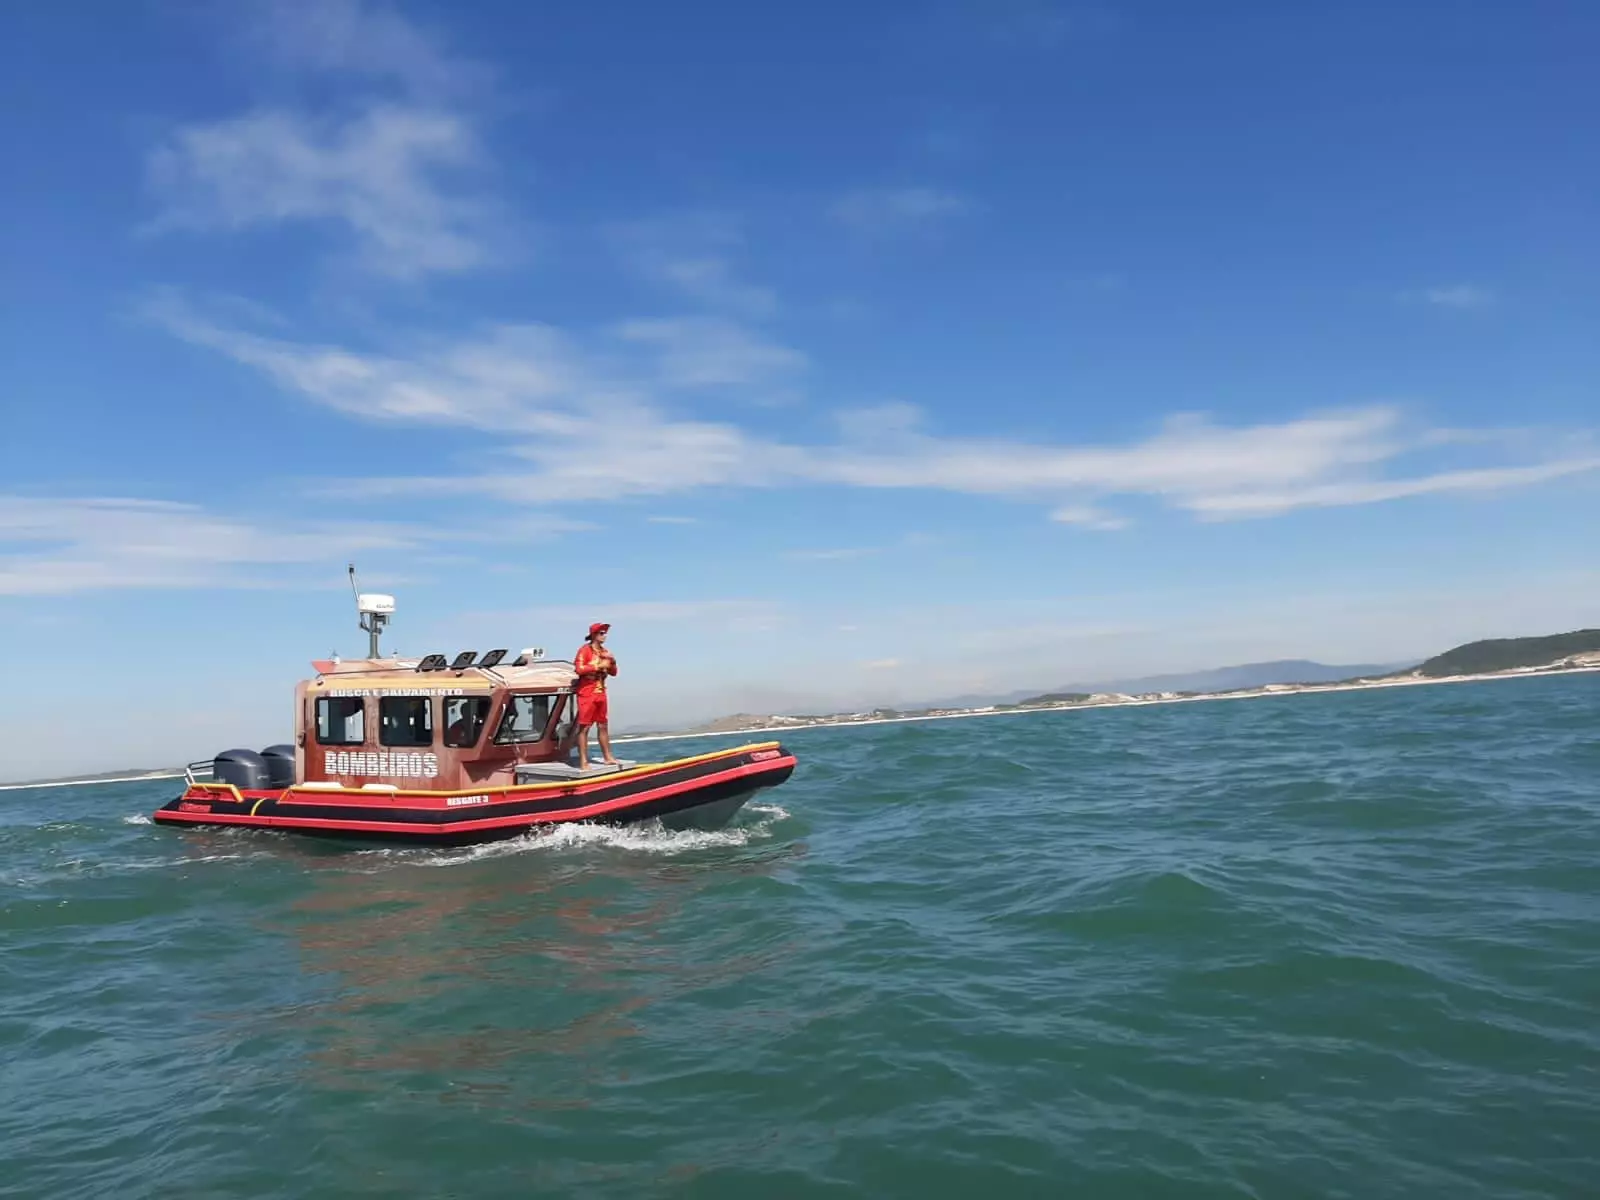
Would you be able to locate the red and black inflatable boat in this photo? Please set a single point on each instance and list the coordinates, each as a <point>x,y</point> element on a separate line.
<point>702,792</point>
<point>425,750</point>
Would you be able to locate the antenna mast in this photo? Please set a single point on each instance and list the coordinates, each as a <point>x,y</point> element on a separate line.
<point>373,610</point>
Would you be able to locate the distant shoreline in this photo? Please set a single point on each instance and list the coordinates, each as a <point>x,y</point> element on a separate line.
<point>1274,689</point>
<point>1266,690</point>
<point>55,783</point>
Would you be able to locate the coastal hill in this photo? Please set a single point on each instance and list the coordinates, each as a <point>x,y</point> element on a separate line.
<point>1510,654</point>
<point>1578,649</point>
<point>1246,675</point>
<point>1214,679</point>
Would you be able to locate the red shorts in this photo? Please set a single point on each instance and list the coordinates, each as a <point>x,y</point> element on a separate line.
<point>592,709</point>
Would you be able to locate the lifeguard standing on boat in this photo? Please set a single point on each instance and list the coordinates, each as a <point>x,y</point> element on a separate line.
<point>592,663</point>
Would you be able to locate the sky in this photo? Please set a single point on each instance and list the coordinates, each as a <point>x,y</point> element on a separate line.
<point>836,354</point>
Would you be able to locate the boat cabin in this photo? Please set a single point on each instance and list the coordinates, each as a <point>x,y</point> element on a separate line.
<point>432,725</point>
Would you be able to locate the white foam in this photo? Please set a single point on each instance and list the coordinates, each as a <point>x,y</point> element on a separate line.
<point>157,864</point>
<point>96,868</point>
<point>776,811</point>
<point>137,819</point>
<point>646,837</point>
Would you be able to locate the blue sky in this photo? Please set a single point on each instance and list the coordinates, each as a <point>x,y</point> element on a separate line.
<point>837,354</point>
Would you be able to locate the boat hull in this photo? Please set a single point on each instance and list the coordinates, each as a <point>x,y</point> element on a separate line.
<point>703,792</point>
<point>712,815</point>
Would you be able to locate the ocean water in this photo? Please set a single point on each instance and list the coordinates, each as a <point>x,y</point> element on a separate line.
<point>1340,945</point>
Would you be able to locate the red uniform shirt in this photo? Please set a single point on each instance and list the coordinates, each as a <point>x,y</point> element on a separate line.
<point>593,665</point>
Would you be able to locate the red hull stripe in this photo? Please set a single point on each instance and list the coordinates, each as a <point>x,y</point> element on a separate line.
<point>565,814</point>
<point>383,798</point>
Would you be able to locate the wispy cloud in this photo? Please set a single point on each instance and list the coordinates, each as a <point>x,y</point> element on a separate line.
<point>593,432</point>
<point>401,168</point>
<point>1088,517</point>
<point>1188,456</point>
<point>886,210</point>
<point>834,554</point>
<point>356,38</point>
<point>667,519</point>
<point>711,279</point>
<point>693,256</point>
<point>381,175</point>
<point>91,543</point>
<point>1371,491</point>
<point>598,396</point>
<point>710,351</point>
<point>1458,296</point>
<point>523,378</point>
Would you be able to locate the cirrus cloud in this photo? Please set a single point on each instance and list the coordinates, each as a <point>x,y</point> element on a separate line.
<point>586,421</point>
<point>887,210</point>
<point>400,166</point>
<point>59,545</point>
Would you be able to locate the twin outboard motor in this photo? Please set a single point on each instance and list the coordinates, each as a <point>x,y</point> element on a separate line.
<point>280,766</point>
<point>245,769</point>
<point>249,771</point>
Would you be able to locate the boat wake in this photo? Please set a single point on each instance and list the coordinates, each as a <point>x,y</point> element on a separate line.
<point>757,823</point>
<point>647,837</point>
<point>72,850</point>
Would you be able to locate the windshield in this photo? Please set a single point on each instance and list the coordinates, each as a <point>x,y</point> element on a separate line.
<point>524,720</point>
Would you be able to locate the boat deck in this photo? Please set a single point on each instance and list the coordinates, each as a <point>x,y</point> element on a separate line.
<point>539,772</point>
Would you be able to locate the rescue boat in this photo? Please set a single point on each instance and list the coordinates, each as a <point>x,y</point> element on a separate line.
<point>453,751</point>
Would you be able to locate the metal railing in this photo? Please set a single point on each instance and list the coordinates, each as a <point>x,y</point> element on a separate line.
<point>204,771</point>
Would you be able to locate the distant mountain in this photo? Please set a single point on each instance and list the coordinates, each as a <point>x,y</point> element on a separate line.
<point>1506,654</point>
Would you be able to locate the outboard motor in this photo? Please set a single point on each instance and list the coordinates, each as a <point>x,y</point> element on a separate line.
<point>280,766</point>
<point>245,769</point>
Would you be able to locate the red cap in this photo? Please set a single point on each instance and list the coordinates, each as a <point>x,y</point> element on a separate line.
<point>598,627</point>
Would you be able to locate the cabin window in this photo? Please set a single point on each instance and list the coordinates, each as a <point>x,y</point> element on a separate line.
<point>341,720</point>
<point>464,719</point>
<point>569,715</point>
<point>405,721</point>
<point>524,720</point>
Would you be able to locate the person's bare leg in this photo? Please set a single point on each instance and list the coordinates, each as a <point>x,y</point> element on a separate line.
<point>605,741</point>
<point>583,746</point>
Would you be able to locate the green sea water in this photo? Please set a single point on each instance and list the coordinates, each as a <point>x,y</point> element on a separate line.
<point>1342,945</point>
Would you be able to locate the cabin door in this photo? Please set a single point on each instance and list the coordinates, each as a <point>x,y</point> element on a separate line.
<point>567,723</point>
